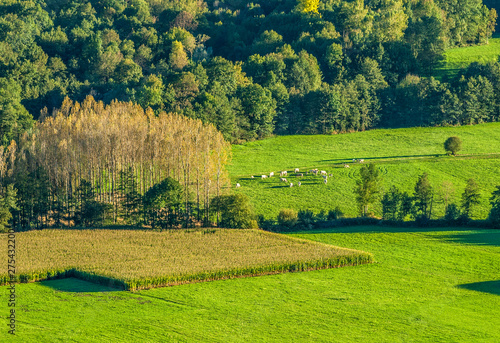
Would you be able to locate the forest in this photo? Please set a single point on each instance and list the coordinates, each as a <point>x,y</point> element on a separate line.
<point>92,164</point>
<point>252,69</point>
<point>121,112</point>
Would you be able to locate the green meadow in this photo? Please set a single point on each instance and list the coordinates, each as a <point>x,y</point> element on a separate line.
<point>458,58</point>
<point>401,155</point>
<point>426,286</point>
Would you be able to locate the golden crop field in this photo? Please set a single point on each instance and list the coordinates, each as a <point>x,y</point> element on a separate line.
<point>135,259</point>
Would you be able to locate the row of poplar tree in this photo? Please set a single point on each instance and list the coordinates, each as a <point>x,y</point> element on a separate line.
<point>90,163</point>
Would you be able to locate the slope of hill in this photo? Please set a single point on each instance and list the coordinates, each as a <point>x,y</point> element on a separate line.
<point>402,155</point>
<point>458,58</point>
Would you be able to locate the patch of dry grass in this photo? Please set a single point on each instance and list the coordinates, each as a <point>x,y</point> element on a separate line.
<point>135,259</point>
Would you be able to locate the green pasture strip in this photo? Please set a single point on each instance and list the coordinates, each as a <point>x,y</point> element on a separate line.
<point>428,285</point>
<point>315,151</point>
<point>402,155</point>
<point>142,259</point>
<point>458,58</point>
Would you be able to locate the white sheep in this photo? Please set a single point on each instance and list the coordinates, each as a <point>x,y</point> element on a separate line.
<point>283,179</point>
<point>297,170</point>
<point>291,184</point>
<point>264,176</point>
<point>323,172</point>
<point>238,185</point>
<point>251,177</point>
<point>361,160</point>
<point>299,184</point>
<point>346,166</point>
<point>271,174</point>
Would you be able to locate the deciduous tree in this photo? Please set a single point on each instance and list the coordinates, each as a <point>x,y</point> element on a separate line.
<point>470,197</point>
<point>367,187</point>
<point>423,196</point>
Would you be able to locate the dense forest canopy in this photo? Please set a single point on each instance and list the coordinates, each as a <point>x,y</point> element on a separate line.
<point>251,68</point>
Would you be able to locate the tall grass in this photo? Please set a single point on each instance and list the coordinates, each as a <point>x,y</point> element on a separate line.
<point>142,259</point>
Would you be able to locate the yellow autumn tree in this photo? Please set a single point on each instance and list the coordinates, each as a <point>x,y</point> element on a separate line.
<point>309,6</point>
<point>178,57</point>
<point>91,144</point>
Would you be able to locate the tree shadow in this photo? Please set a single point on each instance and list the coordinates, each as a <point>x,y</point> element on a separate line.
<point>492,287</point>
<point>75,285</point>
<point>349,160</point>
<point>485,236</point>
<point>481,237</point>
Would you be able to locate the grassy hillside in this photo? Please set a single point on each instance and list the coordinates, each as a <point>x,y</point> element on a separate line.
<point>428,286</point>
<point>458,58</point>
<point>402,155</point>
<point>144,259</point>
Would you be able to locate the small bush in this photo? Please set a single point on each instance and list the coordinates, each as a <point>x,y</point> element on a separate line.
<point>287,218</point>
<point>305,217</point>
<point>235,211</point>
<point>93,213</point>
<point>321,216</point>
<point>265,224</point>
<point>253,224</point>
<point>453,145</point>
<point>335,214</point>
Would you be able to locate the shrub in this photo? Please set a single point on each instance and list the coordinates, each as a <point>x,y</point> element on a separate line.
<point>305,217</point>
<point>162,202</point>
<point>287,218</point>
<point>453,145</point>
<point>321,216</point>
<point>235,211</point>
<point>93,213</point>
<point>265,224</point>
<point>335,214</point>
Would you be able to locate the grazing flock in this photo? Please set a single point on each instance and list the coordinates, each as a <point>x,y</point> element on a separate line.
<point>283,174</point>
<point>297,172</point>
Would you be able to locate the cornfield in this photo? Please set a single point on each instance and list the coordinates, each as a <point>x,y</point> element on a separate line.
<point>140,259</point>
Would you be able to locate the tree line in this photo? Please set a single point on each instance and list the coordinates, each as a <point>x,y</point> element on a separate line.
<point>251,69</point>
<point>398,207</point>
<point>90,164</point>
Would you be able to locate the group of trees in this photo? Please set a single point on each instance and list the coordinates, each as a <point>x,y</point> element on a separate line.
<point>251,69</point>
<point>398,205</point>
<point>90,163</point>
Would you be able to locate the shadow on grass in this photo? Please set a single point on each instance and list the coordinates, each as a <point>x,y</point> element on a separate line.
<point>408,158</point>
<point>349,160</point>
<point>75,285</point>
<point>481,237</point>
<point>492,287</point>
<point>466,235</point>
<point>376,229</point>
